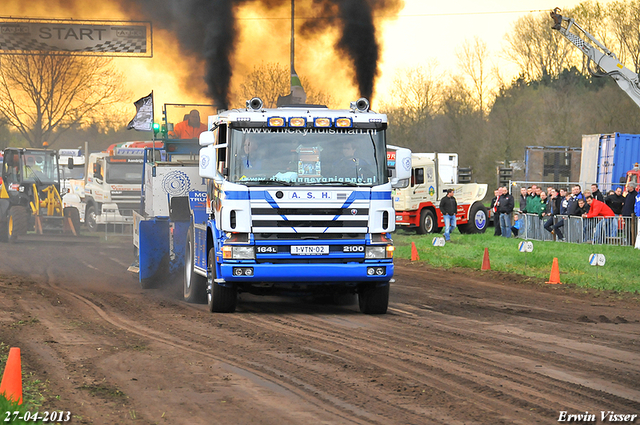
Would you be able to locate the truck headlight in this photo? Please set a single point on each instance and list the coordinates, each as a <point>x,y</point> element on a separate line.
<point>372,252</point>
<point>238,252</point>
<point>379,252</point>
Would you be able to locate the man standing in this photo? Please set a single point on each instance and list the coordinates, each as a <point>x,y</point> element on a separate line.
<point>448,208</point>
<point>595,192</point>
<point>523,199</point>
<point>494,211</point>
<point>505,208</point>
<point>615,201</point>
<point>630,200</point>
<point>552,210</point>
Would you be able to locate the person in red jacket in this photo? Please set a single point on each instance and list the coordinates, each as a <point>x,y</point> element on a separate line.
<point>601,212</point>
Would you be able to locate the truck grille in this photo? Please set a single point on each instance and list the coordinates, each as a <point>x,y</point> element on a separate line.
<point>130,196</point>
<point>312,221</point>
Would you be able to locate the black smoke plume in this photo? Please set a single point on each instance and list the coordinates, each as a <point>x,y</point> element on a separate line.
<point>207,29</point>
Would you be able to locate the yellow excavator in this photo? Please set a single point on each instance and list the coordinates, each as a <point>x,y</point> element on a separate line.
<point>30,195</point>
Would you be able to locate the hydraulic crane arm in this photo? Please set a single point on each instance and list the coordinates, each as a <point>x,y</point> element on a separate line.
<point>604,58</point>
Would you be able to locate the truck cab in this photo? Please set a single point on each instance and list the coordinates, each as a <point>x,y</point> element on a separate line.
<point>112,187</point>
<point>298,201</point>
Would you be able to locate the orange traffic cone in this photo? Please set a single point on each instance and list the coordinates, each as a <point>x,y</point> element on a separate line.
<point>486,264</point>
<point>11,386</point>
<point>554,278</point>
<point>414,252</point>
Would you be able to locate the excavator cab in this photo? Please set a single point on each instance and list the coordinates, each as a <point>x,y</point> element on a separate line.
<point>31,179</point>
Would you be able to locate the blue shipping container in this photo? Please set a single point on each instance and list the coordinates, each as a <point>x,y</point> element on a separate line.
<point>617,154</point>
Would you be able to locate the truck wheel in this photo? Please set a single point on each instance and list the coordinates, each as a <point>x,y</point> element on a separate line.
<point>90,218</point>
<point>18,222</point>
<point>427,222</point>
<point>374,299</point>
<point>74,215</point>
<point>194,285</point>
<point>478,219</point>
<point>221,299</point>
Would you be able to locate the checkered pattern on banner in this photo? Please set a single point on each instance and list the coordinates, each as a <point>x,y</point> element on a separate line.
<point>11,43</point>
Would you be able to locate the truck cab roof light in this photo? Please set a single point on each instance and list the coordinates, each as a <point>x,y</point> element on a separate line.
<point>322,122</point>
<point>275,122</point>
<point>297,122</point>
<point>344,123</point>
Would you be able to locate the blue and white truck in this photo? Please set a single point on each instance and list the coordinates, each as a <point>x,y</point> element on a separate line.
<point>298,201</point>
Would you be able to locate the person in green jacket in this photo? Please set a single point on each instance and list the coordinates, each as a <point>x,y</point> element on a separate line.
<point>541,207</point>
<point>533,201</point>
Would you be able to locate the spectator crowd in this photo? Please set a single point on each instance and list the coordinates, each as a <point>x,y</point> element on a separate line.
<point>602,215</point>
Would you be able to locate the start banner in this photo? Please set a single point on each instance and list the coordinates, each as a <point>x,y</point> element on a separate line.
<point>70,37</point>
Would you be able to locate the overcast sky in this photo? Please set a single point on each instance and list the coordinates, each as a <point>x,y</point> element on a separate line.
<point>431,30</point>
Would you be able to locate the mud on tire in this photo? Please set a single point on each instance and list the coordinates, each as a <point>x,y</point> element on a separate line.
<point>18,222</point>
<point>374,298</point>
<point>194,286</point>
<point>221,299</point>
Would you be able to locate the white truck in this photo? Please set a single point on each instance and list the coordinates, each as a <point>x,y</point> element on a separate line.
<point>72,169</point>
<point>418,205</point>
<point>112,188</point>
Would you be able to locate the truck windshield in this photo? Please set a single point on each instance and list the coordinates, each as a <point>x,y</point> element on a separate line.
<point>76,173</point>
<point>124,172</point>
<point>40,166</point>
<point>308,156</point>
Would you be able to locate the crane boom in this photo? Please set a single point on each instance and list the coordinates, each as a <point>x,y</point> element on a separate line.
<point>604,58</point>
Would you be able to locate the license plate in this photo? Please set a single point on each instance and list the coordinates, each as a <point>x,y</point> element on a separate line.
<point>310,250</point>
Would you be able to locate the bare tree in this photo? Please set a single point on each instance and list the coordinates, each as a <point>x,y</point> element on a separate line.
<point>43,95</point>
<point>537,49</point>
<point>625,18</point>
<point>270,80</point>
<point>415,100</point>
<point>473,61</point>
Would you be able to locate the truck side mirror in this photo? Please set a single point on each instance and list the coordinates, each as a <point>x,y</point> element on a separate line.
<point>207,138</point>
<point>70,163</point>
<point>207,163</point>
<point>402,169</point>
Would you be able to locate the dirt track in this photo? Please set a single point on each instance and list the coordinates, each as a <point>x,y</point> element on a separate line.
<point>457,347</point>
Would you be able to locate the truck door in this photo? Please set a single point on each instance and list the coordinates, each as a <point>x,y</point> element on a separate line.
<point>417,189</point>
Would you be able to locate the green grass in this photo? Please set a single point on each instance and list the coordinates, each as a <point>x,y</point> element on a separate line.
<point>620,272</point>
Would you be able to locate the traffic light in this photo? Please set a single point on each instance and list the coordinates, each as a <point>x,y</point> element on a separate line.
<point>505,174</point>
<point>156,128</point>
<point>465,174</point>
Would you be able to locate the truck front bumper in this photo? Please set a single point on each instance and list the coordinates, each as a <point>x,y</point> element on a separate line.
<point>305,273</point>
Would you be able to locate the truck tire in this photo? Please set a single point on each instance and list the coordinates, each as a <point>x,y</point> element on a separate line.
<point>74,215</point>
<point>18,222</point>
<point>194,285</point>
<point>373,299</point>
<point>478,219</point>
<point>221,299</point>
<point>90,218</point>
<point>428,222</point>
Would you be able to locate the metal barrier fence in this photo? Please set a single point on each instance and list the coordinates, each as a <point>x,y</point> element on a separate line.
<point>117,222</point>
<point>617,230</point>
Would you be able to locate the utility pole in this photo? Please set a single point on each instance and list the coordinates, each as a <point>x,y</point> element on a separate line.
<point>292,59</point>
